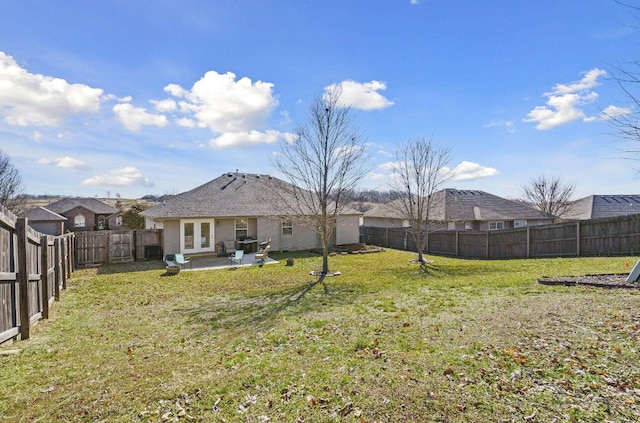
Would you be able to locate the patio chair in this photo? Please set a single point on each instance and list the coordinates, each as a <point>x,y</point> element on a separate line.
<point>171,266</point>
<point>183,261</point>
<point>264,254</point>
<point>229,247</point>
<point>237,257</point>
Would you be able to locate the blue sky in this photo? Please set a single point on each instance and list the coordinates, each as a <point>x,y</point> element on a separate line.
<point>134,98</point>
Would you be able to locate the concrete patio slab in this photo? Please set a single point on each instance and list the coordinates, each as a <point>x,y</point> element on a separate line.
<point>211,263</point>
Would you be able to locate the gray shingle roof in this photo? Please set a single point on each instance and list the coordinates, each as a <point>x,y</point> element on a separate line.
<point>96,206</point>
<point>41,214</point>
<point>452,205</point>
<point>597,206</point>
<point>229,195</point>
<point>479,205</point>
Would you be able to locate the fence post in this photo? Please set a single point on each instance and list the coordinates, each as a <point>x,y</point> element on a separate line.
<point>58,268</point>
<point>457,243</point>
<point>578,238</point>
<point>65,256</point>
<point>487,244</point>
<point>69,260</point>
<point>23,277</point>
<point>528,241</point>
<point>44,270</point>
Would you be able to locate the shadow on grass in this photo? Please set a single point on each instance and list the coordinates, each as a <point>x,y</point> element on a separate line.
<point>136,266</point>
<point>263,311</point>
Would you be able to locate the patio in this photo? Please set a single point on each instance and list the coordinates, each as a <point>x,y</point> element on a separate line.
<point>210,263</point>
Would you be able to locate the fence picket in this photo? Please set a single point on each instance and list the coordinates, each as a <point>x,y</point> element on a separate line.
<point>596,237</point>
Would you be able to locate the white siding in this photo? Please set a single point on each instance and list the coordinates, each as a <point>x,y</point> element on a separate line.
<point>348,230</point>
<point>149,223</point>
<point>302,238</point>
<point>172,237</point>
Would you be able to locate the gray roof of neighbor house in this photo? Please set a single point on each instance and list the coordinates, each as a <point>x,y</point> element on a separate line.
<point>41,214</point>
<point>452,205</point>
<point>597,206</point>
<point>229,195</point>
<point>389,210</point>
<point>467,205</point>
<point>96,206</point>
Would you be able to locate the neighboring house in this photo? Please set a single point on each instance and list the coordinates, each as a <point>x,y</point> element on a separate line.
<point>45,221</point>
<point>597,206</point>
<point>481,211</point>
<point>385,216</point>
<point>464,210</point>
<point>236,207</point>
<point>86,214</point>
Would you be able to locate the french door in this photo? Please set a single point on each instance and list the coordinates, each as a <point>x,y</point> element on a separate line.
<point>196,235</point>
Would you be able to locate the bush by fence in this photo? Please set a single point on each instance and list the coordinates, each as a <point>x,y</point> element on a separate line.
<point>598,237</point>
<point>34,267</point>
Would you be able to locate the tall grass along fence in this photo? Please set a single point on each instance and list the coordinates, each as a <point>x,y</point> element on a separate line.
<point>597,237</point>
<point>121,246</point>
<point>34,267</point>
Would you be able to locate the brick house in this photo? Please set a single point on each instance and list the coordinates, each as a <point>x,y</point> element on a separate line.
<point>86,214</point>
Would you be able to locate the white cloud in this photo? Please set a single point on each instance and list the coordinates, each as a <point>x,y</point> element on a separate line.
<point>589,81</point>
<point>390,166</point>
<point>615,112</point>
<point>66,163</point>
<point>364,96</point>
<point>34,99</point>
<point>186,122</point>
<point>566,102</point>
<point>165,106</point>
<point>466,171</point>
<point>36,136</point>
<point>231,139</point>
<point>125,177</point>
<point>226,105</point>
<point>507,125</point>
<point>133,118</point>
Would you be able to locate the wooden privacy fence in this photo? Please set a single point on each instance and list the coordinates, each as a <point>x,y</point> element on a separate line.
<point>597,237</point>
<point>120,246</point>
<point>33,269</point>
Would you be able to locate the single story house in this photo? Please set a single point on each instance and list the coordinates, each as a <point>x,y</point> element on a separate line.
<point>597,206</point>
<point>45,221</point>
<point>86,214</point>
<point>464,210</point>
<point>238,211</point>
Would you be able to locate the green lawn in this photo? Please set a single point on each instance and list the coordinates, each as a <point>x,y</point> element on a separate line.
<point>469,341</point>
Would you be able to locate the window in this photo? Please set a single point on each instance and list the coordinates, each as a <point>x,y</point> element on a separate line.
<point>119,220</point>
<point>205,241</point>
<point>496,225</point>
<point>101,224</point>
<point>287,228</point>
<point>242,228</point>
<point>451,226</point>
<point>188,236</point>
<point>78,221</point>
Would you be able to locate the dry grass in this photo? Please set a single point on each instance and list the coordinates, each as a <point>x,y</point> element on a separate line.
<point>470,341</point>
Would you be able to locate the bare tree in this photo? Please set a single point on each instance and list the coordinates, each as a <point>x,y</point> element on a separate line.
<point>549,195</point>
<point>419,171</point>
<point>323,162</point>
<point>11,189</point>
<point>626,121</point>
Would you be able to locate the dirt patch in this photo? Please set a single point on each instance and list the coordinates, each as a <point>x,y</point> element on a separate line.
<point>600,281</point>
<point>357,248</point>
